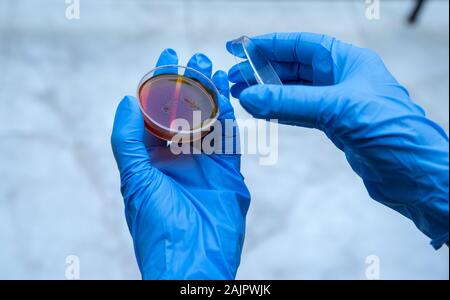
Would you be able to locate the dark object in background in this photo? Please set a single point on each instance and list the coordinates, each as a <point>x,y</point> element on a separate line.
<point>415,13</point>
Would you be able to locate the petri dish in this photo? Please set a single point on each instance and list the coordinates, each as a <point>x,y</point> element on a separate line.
<point>262,70</point>
<point>178,101</point>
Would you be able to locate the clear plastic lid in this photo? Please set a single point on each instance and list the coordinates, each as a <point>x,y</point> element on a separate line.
<point>263,71</point>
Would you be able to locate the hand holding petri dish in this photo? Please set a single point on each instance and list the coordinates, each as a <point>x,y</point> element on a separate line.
<point>172,93</point>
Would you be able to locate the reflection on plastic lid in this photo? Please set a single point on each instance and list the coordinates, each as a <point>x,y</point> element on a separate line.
<point>263,71</point>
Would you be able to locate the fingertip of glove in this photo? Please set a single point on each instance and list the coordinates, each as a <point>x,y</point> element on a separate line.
<point>169,51</point>
<point>233,74</point>
<point>221,75</point>
<point>228,46</point>
<point>167,56</point>
<point>127,98</point>
<point>129,102</point>
<point>201,60</point>
<point>220,80</point>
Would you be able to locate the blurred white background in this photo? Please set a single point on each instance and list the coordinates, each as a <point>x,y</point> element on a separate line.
<point>310,216</point>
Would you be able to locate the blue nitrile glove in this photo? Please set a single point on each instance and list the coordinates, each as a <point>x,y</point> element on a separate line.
<point>348,93</point>
<point>186,213</point>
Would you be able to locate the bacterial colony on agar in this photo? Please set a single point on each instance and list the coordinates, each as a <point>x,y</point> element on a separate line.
<point>165,98</point>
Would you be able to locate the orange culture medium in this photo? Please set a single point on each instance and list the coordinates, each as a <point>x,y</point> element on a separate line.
<point>167,97</point>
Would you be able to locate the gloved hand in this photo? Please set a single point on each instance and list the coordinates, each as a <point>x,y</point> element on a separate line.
<point>186,213</point>
<point>348,93</point>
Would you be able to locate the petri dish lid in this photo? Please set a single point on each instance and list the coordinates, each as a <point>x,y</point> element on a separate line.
<point>263,72</point>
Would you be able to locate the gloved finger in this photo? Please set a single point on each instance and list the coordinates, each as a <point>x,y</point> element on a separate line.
<point>237,88</point>
<point>128,146</point>
<point>201,63</point>
<point>243,72</point>
<point>288,47</point>
<point>220,80</point>
<point>167,57</point>
<point>226,117</point>
<point>300,105</point>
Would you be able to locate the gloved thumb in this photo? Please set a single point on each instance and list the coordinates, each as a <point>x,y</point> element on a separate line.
<point>127,139</point>
<point>290,104</point>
